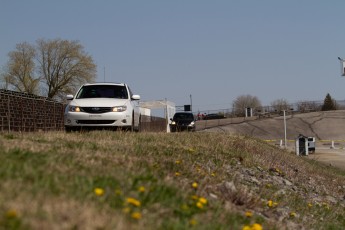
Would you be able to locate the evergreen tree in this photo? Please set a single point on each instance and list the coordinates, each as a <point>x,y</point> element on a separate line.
<point>328,103</point>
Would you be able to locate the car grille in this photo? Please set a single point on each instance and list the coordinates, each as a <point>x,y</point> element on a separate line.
<point>95,122</point>
<point>183,123</point>
<point>96,109</point>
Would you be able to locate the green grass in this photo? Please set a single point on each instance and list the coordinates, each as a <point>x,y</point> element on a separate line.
<point>123,180</point>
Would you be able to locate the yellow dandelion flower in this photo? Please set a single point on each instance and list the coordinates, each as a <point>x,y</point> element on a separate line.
<point>310,205</point>
<point>192,222</point>
<point>268,185</point>
<point>141,189</point>
<point>177,162</point>
<point>191,150</point>
<point>256,227</point>
<point>194,197</point>
<point>248,214</point>
<point>136,215</point>
<point>292,214</point>
<point>199,205</point>
<point>11,214</point>
<point>126,210</point>
<point>133,201</point>
<point>246,227</point>
<point>195,185</point>
<point>270,203</point>
<point>177,174</point>
<point>203,200</point>
<point>326,206</point>
<point>99,191</point>
<point>213,174</point>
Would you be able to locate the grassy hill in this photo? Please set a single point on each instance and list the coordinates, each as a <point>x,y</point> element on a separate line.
<point>201,180</point>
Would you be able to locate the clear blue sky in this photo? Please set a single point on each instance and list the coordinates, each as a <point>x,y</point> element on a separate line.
<point>213,50</point>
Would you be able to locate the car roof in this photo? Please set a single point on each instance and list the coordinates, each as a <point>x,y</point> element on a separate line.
<point>104,83</point>
<point>183,113</point>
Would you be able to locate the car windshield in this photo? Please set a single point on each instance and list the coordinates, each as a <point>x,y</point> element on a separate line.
<point>183,116</point>
<point>103,91</point>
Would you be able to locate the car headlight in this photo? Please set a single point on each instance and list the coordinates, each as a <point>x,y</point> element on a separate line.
<point>74,109</point>
<point>119,108</point>
<point>191,124</point>
<point>173,123</point>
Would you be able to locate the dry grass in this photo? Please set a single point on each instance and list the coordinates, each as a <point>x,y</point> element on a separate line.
<point>48,182</point>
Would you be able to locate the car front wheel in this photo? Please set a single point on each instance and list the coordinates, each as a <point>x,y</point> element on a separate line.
<point>132,125</point>
<point>138,129</point>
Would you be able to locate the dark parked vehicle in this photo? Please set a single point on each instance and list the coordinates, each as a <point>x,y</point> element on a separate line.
<point>212,116</point>
<point>182,121</point>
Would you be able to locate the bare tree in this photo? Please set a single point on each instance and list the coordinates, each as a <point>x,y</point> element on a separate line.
<point>64,66</point>
<point>57,66</point>
<point>245,101</point>
<point>308,106</point>
<point>280,105</point>
<point>19,72</point>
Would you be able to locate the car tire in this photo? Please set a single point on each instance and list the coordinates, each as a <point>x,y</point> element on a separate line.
<point>69,129</point>
<point>138,129</point>
<point>132,128</point>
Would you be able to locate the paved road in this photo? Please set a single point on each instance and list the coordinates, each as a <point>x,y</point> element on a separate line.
<point>334,157</point>
<point>330,156</point>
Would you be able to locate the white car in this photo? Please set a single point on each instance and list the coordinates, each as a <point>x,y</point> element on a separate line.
<point>103,105</point>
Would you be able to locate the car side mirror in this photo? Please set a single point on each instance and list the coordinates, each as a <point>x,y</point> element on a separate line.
<point>136,97</point>
<point>69,97</point>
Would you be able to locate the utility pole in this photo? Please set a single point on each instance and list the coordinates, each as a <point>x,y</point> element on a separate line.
<point>285,130</point>
<point>342,66</point>
<point>104,74</point>
<point>191,108</point>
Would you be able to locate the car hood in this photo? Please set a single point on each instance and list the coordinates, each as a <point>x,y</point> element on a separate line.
<point>99,102</point>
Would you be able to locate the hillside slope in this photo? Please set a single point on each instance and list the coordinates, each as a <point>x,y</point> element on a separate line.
<point>199,180</point>
<point>327,125</point>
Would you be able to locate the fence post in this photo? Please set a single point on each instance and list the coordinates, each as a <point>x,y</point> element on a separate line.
<point>54,116</point>
<point>8,114</point>
<point>43,125</point>
<point>34,112</point>
<point>22,116</point>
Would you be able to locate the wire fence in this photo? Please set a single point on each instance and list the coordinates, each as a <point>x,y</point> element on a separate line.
<point>267,111</point>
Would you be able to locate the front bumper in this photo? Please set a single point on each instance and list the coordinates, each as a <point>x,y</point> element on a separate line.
<point>110,119</point>
<point>179,128</point>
